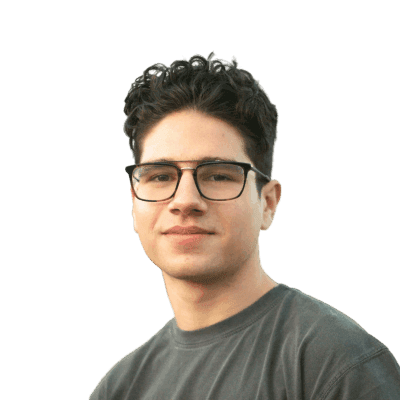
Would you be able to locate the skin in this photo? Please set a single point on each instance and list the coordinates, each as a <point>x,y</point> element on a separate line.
<point>220,276</point>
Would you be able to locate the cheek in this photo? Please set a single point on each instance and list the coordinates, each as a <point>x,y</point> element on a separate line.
<point>145,226</point>
<point>242,239</point>
<point>147,237</point>
<point>238,224</point>
<point>245,228</point>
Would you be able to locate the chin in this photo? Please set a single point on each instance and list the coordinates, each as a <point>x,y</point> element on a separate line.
<point>196,271</point>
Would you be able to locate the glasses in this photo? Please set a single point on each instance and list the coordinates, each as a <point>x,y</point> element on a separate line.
<point>218,181</point>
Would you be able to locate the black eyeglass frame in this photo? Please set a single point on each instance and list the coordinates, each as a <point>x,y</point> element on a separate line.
<point>246,167</point>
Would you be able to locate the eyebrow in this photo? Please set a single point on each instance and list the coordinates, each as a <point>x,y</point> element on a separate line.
<point>199,160</point>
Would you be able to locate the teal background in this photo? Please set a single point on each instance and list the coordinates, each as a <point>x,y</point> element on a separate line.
<point>78,292</point>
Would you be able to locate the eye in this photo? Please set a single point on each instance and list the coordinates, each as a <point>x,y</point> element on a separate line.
<point>221,176</point>
<point>154,178</point>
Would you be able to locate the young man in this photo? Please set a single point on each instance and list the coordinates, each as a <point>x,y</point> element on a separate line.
<point>203,137</point>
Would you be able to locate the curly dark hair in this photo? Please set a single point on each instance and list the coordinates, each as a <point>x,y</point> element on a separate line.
<point>220,90</point>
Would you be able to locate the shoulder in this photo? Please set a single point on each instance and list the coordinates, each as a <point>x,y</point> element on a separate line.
<point>331,352</point>
<point>117,380</point>
<point>321,330</point>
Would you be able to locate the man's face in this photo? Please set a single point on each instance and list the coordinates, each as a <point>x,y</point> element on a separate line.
<point>190,135</point>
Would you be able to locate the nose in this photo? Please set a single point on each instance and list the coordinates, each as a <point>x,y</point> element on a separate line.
<point>187,186</point>
<point>187,198</point>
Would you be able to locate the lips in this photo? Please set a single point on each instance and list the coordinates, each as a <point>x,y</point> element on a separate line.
<point>187,230</point>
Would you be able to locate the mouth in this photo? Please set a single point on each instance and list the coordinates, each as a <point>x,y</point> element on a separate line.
<point>189,234</point>
<point>187,230</point>
<point>188,239</point>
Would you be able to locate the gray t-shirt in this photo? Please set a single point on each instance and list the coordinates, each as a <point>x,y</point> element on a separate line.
<point>286,345</point>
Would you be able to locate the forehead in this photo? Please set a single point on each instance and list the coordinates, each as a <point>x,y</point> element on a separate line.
<point>190,135</point>
<point>197,160</point>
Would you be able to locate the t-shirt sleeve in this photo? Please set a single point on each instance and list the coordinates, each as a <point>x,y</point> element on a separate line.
<point>375,377</point>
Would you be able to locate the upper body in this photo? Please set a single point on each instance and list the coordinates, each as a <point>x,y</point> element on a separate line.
<point>211,130</point>
<point>285,346</point>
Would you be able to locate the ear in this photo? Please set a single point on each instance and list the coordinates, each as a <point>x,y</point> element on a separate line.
<point>270,196</point>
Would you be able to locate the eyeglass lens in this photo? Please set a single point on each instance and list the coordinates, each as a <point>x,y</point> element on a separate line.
<point>216,181</point>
